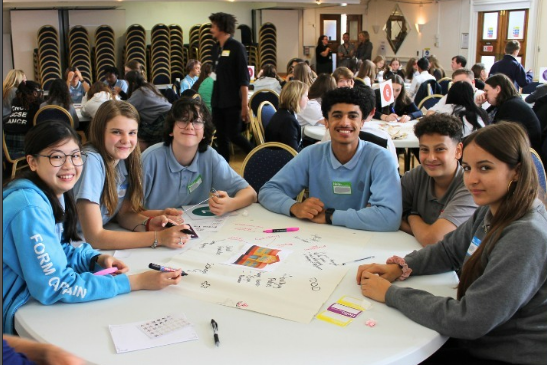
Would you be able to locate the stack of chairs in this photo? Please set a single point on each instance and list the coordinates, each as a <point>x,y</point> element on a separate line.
<point>36,66</point>
<point>193,46</point>
<point>178,62</point>
<point>250,45</point>
<point>105,53</point>
<point>206,43</point>
<point>267,45</point>
<point>160,55</point>
<point>49,59</point>
<point>135,45</point>
<point>79,51</point>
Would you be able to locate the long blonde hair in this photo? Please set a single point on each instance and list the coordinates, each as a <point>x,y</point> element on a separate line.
<point>109,197</point>
<point>303,72</point>
<point>12,80</point>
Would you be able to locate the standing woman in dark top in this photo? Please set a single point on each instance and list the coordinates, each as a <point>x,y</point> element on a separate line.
<point>364,48</point>
<point>283,126</point>
<point>323,55</point>
<point>402,110</point>
<point>506,104</point>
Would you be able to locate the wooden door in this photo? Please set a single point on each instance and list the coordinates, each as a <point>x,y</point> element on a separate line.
<point>495,29</point>
<point>330,26</point>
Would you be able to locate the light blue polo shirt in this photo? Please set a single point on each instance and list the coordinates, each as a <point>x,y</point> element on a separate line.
<point>122,84</point>
<point>169,184</point>
<point>77,92</point>
<point>91,183</point>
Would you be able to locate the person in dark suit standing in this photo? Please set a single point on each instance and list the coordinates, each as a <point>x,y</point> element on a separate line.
<point>511,67</point>
<point>323,55</point>
<point>230,89</point>
<point>284,126</point>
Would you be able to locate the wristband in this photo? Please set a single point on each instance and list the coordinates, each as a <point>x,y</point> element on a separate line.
<point>402,264</point>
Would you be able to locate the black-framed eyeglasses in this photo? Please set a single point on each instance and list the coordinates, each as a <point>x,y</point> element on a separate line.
<point>198,123</point>
<point>58,159</point>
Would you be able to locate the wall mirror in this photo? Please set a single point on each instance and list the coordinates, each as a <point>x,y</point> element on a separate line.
<point>396,29</point>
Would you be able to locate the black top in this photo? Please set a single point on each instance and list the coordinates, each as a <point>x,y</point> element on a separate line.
<point>516,110</point>
<point>230,66</point>
<point>284,128</point>
<point>411,109</point>
<point>322,59</point>
<point>389,74</point>
<point>364,51</point>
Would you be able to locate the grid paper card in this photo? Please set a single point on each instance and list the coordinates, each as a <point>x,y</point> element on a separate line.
<point>130,337</point>
<point>162,326</point>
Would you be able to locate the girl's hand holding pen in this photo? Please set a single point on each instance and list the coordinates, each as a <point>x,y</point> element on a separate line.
<point>154,280</point>
<point>172,236</point>
<point>174,215</point>
<point>404,119</point>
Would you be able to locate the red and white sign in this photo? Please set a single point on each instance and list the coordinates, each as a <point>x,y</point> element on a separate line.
<point>386,93</point>
<point>488,48</point>
<point>251,72</point>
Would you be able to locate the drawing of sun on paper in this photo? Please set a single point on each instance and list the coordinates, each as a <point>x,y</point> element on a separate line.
<point>259,257</point>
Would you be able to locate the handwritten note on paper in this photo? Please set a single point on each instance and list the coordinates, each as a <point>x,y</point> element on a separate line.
<point>131,337</point>
<point>300,284</point>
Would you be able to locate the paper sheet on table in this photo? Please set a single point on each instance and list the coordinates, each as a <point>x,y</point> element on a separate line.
<point>296,290</point>
<point>129,337</point>
<point>260,258</point>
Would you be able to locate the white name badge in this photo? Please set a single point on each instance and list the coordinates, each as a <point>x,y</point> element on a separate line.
<point>226,53</point>
<point>194,184</point>
<point>475,243</point>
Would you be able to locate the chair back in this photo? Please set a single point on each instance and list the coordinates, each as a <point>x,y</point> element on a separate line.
<point>429,101</point>
<point>261,96</point>
<point>53,112</point>
<point>540,171</point>
<point>16,163</point>
<point>530,88</point>
<point>445,84</point>
<point>369,137</point>
<point>264,161</point>
<point>256,129</point>
<point>427,88</point>
<point>266,111</point>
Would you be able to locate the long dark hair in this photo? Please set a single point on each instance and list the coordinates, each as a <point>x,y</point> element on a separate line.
<point>507,142</point>
<point>59,93</point>
<point>25,94</point>
<point>403,99</point>
<point>136,81</point>
<point>41,136</point>
<point>461,94</point>
<point>322,84</point>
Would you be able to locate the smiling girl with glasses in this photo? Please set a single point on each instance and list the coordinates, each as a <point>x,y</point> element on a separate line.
<point>186,164</point>
<point>40,221</point>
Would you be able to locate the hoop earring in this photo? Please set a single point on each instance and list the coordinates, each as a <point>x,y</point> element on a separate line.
<point>509,186</point>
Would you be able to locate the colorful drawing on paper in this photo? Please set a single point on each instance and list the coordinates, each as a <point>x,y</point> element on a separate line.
<point>203,211</point>
<point>259,257</point>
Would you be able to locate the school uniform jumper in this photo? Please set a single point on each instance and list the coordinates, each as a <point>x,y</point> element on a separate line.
<point>502,314</point>
<point>370,177</point>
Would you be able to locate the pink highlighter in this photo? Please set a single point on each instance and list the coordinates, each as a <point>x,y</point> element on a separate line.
<point>290,229</point>
<point>110,270</point>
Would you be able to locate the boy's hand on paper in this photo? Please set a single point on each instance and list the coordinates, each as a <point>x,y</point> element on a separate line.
<point>220,203</point>
<point>374,287</point>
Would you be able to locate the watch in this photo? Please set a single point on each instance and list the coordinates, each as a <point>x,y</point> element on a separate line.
<point>328,215</point>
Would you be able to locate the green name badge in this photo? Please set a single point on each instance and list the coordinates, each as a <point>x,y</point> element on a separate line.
<point>194,184</point>
<point>341,188</point>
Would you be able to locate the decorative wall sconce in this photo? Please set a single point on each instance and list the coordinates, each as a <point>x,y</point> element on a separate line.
<point>419,27</point>
<point>376,29</point>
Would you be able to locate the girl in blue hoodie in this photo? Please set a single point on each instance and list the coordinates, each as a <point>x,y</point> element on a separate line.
<point>40,221</point>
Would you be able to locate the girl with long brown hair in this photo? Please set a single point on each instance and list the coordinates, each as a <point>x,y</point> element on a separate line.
<point>498,316</point>
<point>111,186</point>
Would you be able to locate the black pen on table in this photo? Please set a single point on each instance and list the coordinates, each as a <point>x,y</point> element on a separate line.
<point>215,332</point>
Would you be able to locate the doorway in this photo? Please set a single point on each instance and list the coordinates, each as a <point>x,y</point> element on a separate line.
<point>495,28</point>
<point>334,25</point>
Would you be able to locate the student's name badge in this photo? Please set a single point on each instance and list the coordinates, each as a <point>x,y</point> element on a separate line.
<point>122,190</point>
<point>225,53</point>
<point>341,188</point>
<point>213,76</point>
<point>475,243</point>
<point>194,184</point>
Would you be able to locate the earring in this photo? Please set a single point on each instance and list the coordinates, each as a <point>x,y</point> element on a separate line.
<point>509,186</point>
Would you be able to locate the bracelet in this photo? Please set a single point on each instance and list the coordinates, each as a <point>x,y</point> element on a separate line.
<point>144,224</point>
<point>402,264</point>
<point>155,244</point>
